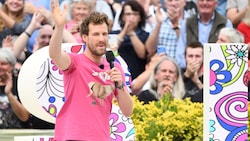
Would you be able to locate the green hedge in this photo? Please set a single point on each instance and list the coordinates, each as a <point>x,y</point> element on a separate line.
<point>168,120</point>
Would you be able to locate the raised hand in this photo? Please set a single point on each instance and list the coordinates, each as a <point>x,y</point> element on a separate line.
<point>75,28</point>
<point>58,14</point>
<point>7,42</point>
<point>159,14</point>
<point>165,87</point>
<point>173,14</point>
<point>192,67</point>
<point>37,20</point>
<point>130,27</point>
<point>48,18</point>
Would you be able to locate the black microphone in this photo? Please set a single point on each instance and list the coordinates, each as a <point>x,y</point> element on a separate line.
<point>101,66</point>
<point>111,58</point>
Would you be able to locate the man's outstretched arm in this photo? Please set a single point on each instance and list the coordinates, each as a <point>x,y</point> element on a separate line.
<point>61,58</point>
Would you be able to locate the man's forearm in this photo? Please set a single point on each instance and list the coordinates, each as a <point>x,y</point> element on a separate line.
<point>125,102</point>
<point>55,42</point>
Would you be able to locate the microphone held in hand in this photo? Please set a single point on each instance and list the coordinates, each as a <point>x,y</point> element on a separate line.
<point>111,58</point>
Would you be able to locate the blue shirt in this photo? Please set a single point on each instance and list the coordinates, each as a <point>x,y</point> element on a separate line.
<point>203,31</point>
<point>168,37</point>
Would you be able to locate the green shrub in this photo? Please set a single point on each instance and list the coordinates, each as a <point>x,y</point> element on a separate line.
<point>169,120</point>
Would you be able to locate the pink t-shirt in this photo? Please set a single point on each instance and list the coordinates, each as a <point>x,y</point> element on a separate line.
<point>83,117</point>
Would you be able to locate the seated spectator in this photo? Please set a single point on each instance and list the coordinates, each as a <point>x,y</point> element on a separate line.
<point>230,35</point>
<point>12,112</point>
<point>165,69</point>
<point>244,26</point>
<point>164,87</point>
<point>203,27</point>
<point>132,37</point>
<point>141,82</point>
<point>13,20</point>
<point>193,74</point>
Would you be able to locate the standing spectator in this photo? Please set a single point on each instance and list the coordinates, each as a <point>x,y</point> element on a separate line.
<point>13,20</point>
<point>167,31</point>
<point>165,78</point>
<point>203,27</point>
<point>236,10</point>
<point>244,26</point>
<point>12,112</point>
<point>89,89</point>
<point>79,10</point>
<point>193,74</point>
<point>132,37</point>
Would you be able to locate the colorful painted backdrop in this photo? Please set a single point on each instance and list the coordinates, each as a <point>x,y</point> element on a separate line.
<point>226,96</point>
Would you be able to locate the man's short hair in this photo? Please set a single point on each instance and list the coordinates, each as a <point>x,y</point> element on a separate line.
<point>94,18</point>
<point>195,44</point>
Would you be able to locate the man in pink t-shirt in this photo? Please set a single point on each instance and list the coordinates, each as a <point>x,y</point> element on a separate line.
<point>88,81</point>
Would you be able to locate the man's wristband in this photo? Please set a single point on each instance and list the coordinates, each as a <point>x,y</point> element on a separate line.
<point>120,87</point>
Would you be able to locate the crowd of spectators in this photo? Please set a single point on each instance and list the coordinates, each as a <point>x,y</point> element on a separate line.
<point>161,41</point>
